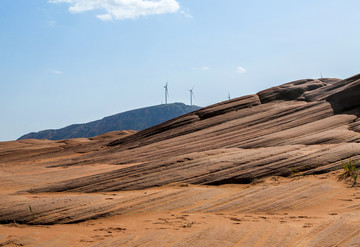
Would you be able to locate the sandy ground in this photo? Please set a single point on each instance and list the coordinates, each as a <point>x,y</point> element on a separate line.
<point>306,211</point>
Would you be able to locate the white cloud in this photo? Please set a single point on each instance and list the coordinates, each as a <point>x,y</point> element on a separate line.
<point>122,9</point>
<point>105,17</point>
<point>205,68</point>
<point>58,72</point>
<point>240,70</point>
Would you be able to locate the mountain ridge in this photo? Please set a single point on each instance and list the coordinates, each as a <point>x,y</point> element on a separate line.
<point>137,119</point>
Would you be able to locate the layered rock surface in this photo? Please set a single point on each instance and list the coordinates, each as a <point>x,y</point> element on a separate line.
<point>308,126</point>
<point>302,127</point>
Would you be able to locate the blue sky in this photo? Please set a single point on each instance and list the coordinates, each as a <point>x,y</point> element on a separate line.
<point>74,61</point>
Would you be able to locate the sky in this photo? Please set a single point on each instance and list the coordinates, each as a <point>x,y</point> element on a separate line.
<point>74,61</point>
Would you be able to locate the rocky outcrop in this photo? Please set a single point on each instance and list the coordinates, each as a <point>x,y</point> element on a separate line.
<point>324,92</point>
<point>71,208</point>
<point>228,106</point>
<point>293,90</point>
<point>299,128</point>
<point>347,98</point>
<point>308,126</point>
<point>153,177</point>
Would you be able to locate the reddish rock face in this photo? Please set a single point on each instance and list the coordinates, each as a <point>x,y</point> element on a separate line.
<point>307,126</point>
<point>347,97</point>
<point>293,90</point>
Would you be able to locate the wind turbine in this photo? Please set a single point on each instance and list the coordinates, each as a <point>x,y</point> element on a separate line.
<point>166,93</point>
<point>229,95</point>
<point>191,95</point>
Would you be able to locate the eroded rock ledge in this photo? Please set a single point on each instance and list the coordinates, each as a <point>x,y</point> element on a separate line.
<point>308,126</point>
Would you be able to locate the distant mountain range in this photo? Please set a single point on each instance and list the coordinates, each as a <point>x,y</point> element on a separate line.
<point>138,119</point>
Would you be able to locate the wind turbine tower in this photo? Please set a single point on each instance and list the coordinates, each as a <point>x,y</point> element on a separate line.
<point>191,95</point>
<point>229,96</point>
<point>166,93</point>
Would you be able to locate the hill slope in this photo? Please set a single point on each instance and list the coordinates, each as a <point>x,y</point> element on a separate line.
<point>305,126</point>
<point>157,187</point>
<point>138,119</point>
<point>308,126</point>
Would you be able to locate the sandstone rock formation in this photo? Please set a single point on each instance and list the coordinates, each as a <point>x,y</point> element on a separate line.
<point>302,127</point>
<point>308,126</point>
